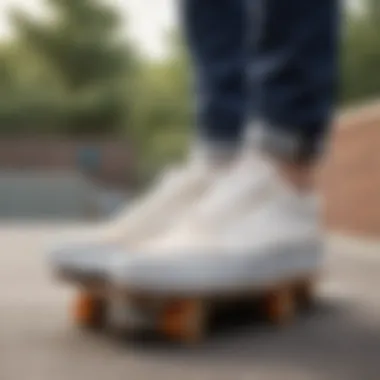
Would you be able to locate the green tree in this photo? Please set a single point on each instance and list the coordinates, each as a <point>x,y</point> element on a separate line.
<point>162,108</point>
<point>26,90</point>
<point>88,60</point>
<point>361,54</point>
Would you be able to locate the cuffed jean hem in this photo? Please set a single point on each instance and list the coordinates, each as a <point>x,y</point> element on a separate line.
<point>284,144</point>
<point>213,150</point>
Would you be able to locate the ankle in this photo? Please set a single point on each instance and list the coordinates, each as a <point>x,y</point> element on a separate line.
<point>301,177</point>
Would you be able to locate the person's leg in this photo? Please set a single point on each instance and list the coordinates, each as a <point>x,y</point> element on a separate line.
<point>215,32</point>
<point>266,231</point>
<point>293,70</point>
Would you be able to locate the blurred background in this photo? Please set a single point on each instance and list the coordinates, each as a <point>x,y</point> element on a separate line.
<point>95,99</point>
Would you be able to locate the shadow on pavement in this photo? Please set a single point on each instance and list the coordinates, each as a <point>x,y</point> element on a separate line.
<point>329,339</point>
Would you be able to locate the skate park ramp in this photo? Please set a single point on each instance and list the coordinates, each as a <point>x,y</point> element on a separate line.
<point>52,195</point>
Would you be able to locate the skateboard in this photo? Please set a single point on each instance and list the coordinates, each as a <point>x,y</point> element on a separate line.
<point>88,309</point>
<point>184,319</point>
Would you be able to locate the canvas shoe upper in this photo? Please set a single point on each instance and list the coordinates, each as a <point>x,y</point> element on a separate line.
<point>278,238</point>
<point>225,203</point>
<point>167,202</point>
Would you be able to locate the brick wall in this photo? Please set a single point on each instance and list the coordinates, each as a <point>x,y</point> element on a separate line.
<point>52,153</point>
<point>351,177</point>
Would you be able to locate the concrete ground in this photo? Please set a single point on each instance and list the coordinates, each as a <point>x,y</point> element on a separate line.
<point>340,339</point>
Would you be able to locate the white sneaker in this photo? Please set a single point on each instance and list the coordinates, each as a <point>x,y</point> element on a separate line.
<point>173,196</point>
<point>279,238</point>
<point>225,203</point>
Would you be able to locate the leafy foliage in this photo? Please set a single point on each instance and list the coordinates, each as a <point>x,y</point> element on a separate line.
<point>68,72</point>
<point>361,54</point>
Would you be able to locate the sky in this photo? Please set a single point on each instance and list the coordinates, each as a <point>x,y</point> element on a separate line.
<point>148,20</point>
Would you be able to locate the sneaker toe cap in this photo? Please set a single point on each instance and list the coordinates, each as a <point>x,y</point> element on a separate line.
<point>85,258</point>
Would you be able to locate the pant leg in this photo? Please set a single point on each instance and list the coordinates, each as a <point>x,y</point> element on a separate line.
<point>293,71</point>
<point>215,31</point>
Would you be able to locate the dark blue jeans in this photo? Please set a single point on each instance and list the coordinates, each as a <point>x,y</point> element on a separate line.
<point>266,66</point>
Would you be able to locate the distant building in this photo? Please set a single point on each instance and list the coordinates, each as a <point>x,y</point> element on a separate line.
<point>63,178</point>
<point>109,161</point>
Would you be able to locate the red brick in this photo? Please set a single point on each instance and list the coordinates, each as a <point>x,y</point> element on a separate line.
<point>351,176</point>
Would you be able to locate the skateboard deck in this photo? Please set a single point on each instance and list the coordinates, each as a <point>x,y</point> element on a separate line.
<point>175,295</point>
<point>185,318</point>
